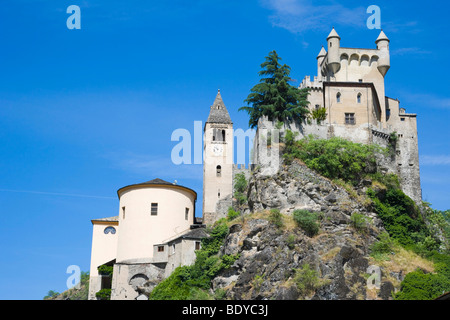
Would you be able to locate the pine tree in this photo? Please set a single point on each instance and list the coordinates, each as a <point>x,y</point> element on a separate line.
<point>273,96</point>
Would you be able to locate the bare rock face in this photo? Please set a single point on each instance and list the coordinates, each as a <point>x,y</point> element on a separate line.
<point>270,256</point>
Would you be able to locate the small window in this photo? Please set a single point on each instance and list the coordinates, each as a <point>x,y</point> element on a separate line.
<point>317,107</point>
<point>360,80</point>
<point>338,97</point>
<point>402,119</point>
<point>223,135</point>
<point>154,210</point>
<point>218,171</point>
<point>160,248</point>
<point>111,230</point>
<point>173,248</point>
<point>123,212</point>
<point>197,245</point>
<point>349,118</point>
<point>331,44</point>
<point>218,193</point>
<point>186,214</point>
<point>358,98</point>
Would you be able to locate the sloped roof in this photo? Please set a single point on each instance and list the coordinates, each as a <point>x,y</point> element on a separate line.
<point>218,112</point>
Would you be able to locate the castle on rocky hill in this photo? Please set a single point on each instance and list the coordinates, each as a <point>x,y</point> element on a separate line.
<point>156,229</point>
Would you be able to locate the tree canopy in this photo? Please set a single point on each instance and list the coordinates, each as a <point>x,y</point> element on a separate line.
<point>273,96</point>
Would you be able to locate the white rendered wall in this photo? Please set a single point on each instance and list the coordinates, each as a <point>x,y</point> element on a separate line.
<point>140,230</point>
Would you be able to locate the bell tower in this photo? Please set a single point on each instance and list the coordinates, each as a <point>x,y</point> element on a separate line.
<point>217,158</point>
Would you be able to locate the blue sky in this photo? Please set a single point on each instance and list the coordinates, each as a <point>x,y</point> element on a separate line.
<point>85,112</point>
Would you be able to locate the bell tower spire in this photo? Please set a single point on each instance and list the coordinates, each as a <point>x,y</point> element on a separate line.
<point>217,159</point>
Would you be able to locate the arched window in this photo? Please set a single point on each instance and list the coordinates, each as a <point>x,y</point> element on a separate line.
<point>358,97</point>
<point>218,171</point>
<point>338,97</point>
<point>111,230</point>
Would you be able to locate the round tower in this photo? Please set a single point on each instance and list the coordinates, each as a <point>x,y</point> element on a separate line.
<point>334,42</point>
<point>150,213</point>
<point>320,58</point>
<point>383,52</point>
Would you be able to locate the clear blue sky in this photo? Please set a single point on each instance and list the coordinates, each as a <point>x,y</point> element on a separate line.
<point>85,112</point>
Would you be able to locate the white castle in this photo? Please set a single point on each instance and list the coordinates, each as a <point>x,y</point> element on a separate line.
<point>156,229</point>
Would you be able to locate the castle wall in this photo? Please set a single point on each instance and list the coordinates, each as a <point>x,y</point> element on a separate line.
<point>404,162</point>
<point>128,278</point>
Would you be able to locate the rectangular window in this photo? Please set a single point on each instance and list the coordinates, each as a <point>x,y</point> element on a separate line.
<point>402,119</point>
<point>197,245</point>
<point>160,248</point>
<point>123,212</point>
<point>186,214</point>
<point>349,118</point>
<point>154,210</point>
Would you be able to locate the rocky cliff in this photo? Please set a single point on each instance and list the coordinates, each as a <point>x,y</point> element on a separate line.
<point>283,262</point>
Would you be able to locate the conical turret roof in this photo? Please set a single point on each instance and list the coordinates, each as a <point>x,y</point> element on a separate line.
<point>382,36</point>
<point>333,34</point>
<point>218,112</point>
<point>322,53</point>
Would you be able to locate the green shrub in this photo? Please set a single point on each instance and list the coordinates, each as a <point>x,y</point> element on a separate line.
<point>276,218</point>
<point>105,270</point>
<point>103,294</point>
<point>192,282</point>
<point>307,221</point>
<point>307,280</point>
<point>290,241</point>
<point>232,214</point>
<point>400,216</point>
<point>335,158</point>
<point>418,285</point>
<point>385,245</point>
<point>359,221</point>
<point>319,115</point>
<point>240,187</point>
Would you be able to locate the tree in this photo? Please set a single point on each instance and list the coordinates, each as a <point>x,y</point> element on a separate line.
<point>274,97</point>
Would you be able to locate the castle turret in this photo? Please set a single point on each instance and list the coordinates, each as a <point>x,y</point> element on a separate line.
<point>334,42</point>
<point>384,57</point>
<point>320,58</point>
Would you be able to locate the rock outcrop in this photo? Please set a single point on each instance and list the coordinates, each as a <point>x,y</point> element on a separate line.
<point>269,255</point>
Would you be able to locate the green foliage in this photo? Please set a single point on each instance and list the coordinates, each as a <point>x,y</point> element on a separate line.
<point>335,158</point>
<point>383,247</point>
<point>240,188</point>
<point>359,221</point>
<point>276,218</point>
<point>191,282</point>
<point>103,294</point>
<point>319,115</point>
<point>418,285</point>
<point>51,294</point>
<point>400,216</point>
<point>273,96</point>
<point>307,221</point>
<point>105,270</point>
<point>231,215</point>
<point>290,241</point>
<point>307,280</point>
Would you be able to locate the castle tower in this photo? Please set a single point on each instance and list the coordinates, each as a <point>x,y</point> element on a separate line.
<point>320,58</point>
<point>383,46</point>
<point>217,158</point>
<point>334,43</point>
